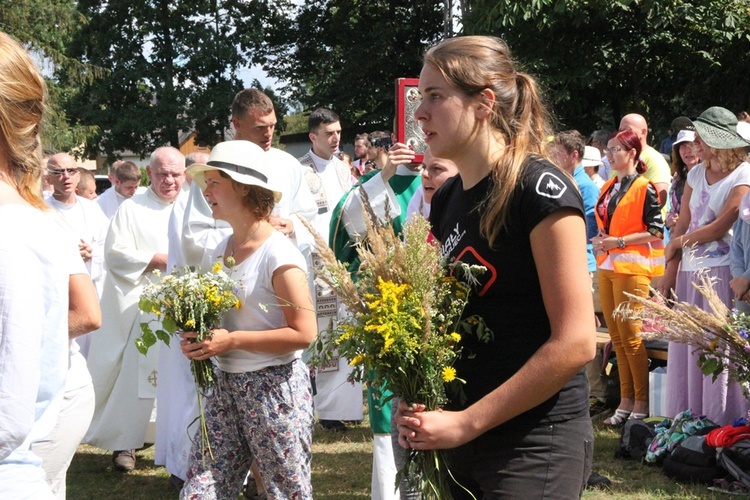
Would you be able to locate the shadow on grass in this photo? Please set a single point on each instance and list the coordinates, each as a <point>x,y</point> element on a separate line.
<point>91,476</point>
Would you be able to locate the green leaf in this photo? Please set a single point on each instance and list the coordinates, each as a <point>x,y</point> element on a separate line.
<point>169,325</point>
<point>709,366</point>
<point>145,328</point>
<point>141,346</point>
<point>145,305</point>
<point>163,336</point>
<point>149,338</point>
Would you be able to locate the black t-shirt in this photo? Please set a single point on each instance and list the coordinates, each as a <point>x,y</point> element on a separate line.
<point>509,296</point>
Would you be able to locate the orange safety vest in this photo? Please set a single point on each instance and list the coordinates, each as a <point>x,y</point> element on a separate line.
<point>646,259</point>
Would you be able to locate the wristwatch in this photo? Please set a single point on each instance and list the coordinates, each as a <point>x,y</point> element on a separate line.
<point>621,243</point>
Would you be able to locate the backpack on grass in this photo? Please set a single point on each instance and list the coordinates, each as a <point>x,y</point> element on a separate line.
<point>636,438</point>
<point>693,461</point>
<point>736,460</point>
<point>670,434</point>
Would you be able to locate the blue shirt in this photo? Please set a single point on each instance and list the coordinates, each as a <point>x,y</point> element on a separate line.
<point>589,193</point>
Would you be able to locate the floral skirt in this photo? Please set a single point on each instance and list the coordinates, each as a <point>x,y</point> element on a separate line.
<point>265,415</point>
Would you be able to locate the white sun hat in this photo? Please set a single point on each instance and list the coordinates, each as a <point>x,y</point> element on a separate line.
<point>243,161</point>
<point>591,157</point>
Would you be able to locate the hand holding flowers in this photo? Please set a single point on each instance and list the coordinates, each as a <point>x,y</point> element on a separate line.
<point>217,342</point>
<point>191,302</point>
<point>420,429</point>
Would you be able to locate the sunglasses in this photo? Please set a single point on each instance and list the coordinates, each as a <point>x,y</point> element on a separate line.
<point>69,171</point>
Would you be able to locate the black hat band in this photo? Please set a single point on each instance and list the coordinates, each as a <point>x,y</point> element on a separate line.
<point>239,169</point>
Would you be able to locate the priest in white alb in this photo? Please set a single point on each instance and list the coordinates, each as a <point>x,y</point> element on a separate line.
<point>136,246</point>
<point>193,234</point>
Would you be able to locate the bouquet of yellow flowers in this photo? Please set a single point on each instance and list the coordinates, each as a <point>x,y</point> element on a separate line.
<point>403,329</point>
<point>188,300</point>
<point>721,334</point>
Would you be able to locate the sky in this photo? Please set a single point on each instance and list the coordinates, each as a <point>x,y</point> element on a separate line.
<point>247,75</point>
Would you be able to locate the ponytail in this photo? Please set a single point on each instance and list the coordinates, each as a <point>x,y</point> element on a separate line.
<point>525,129</point>
<point>640,166</point>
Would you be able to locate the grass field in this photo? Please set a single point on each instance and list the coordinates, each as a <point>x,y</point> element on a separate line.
<point>342,467</point>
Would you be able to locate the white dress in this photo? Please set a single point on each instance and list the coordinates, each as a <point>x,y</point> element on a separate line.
<point>125,380</point>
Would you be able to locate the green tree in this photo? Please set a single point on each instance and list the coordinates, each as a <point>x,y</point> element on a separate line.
<point>45,27</point>
<point>173,67</point>
<point>600,59</point>
<point>347,54</point>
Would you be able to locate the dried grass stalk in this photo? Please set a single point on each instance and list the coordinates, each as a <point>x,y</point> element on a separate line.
<point>714,332</point>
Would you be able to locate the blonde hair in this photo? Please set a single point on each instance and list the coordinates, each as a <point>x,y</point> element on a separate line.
<point>22,92</point>
<point>729,159</point>
<point>472,64</point>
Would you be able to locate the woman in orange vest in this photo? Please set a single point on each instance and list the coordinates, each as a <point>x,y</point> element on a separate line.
<point>630,251</point>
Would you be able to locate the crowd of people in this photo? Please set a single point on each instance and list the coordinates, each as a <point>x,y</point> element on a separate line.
<point>564,228</point>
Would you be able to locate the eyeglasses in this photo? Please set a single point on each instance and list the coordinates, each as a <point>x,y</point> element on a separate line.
<point>612,150</point>
<point>69,171</point>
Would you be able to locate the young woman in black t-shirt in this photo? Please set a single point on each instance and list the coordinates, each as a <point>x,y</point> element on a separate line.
<point>524,428</point>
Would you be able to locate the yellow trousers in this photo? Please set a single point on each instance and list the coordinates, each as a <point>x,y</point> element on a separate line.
<point>632,360</point>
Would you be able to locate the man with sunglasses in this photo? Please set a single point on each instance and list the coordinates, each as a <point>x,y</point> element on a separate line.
<point>380,143</point>
<point>82,217</point>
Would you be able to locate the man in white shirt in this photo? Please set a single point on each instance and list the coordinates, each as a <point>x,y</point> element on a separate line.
<point>329,179</point>
<point>136,246</point>
<point>81,216</point>
<point>126,180</point>
<point>254,120</point>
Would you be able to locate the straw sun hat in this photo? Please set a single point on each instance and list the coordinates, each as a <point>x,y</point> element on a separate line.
<point>718,128</point>
<point>243,161</point>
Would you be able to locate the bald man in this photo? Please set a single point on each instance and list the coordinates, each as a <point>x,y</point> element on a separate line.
<point>136,245</point>
<point>658,170</point>
<point>193,233</point>
<point>82,216</point>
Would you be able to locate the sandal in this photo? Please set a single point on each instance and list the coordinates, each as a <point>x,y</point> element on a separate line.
<point>618,418</point>
<point>637,416</point>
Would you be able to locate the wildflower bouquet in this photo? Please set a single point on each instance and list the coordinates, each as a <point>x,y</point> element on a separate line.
<point>188,300</point>
<point>404,328</point>
<point>721,335</point>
